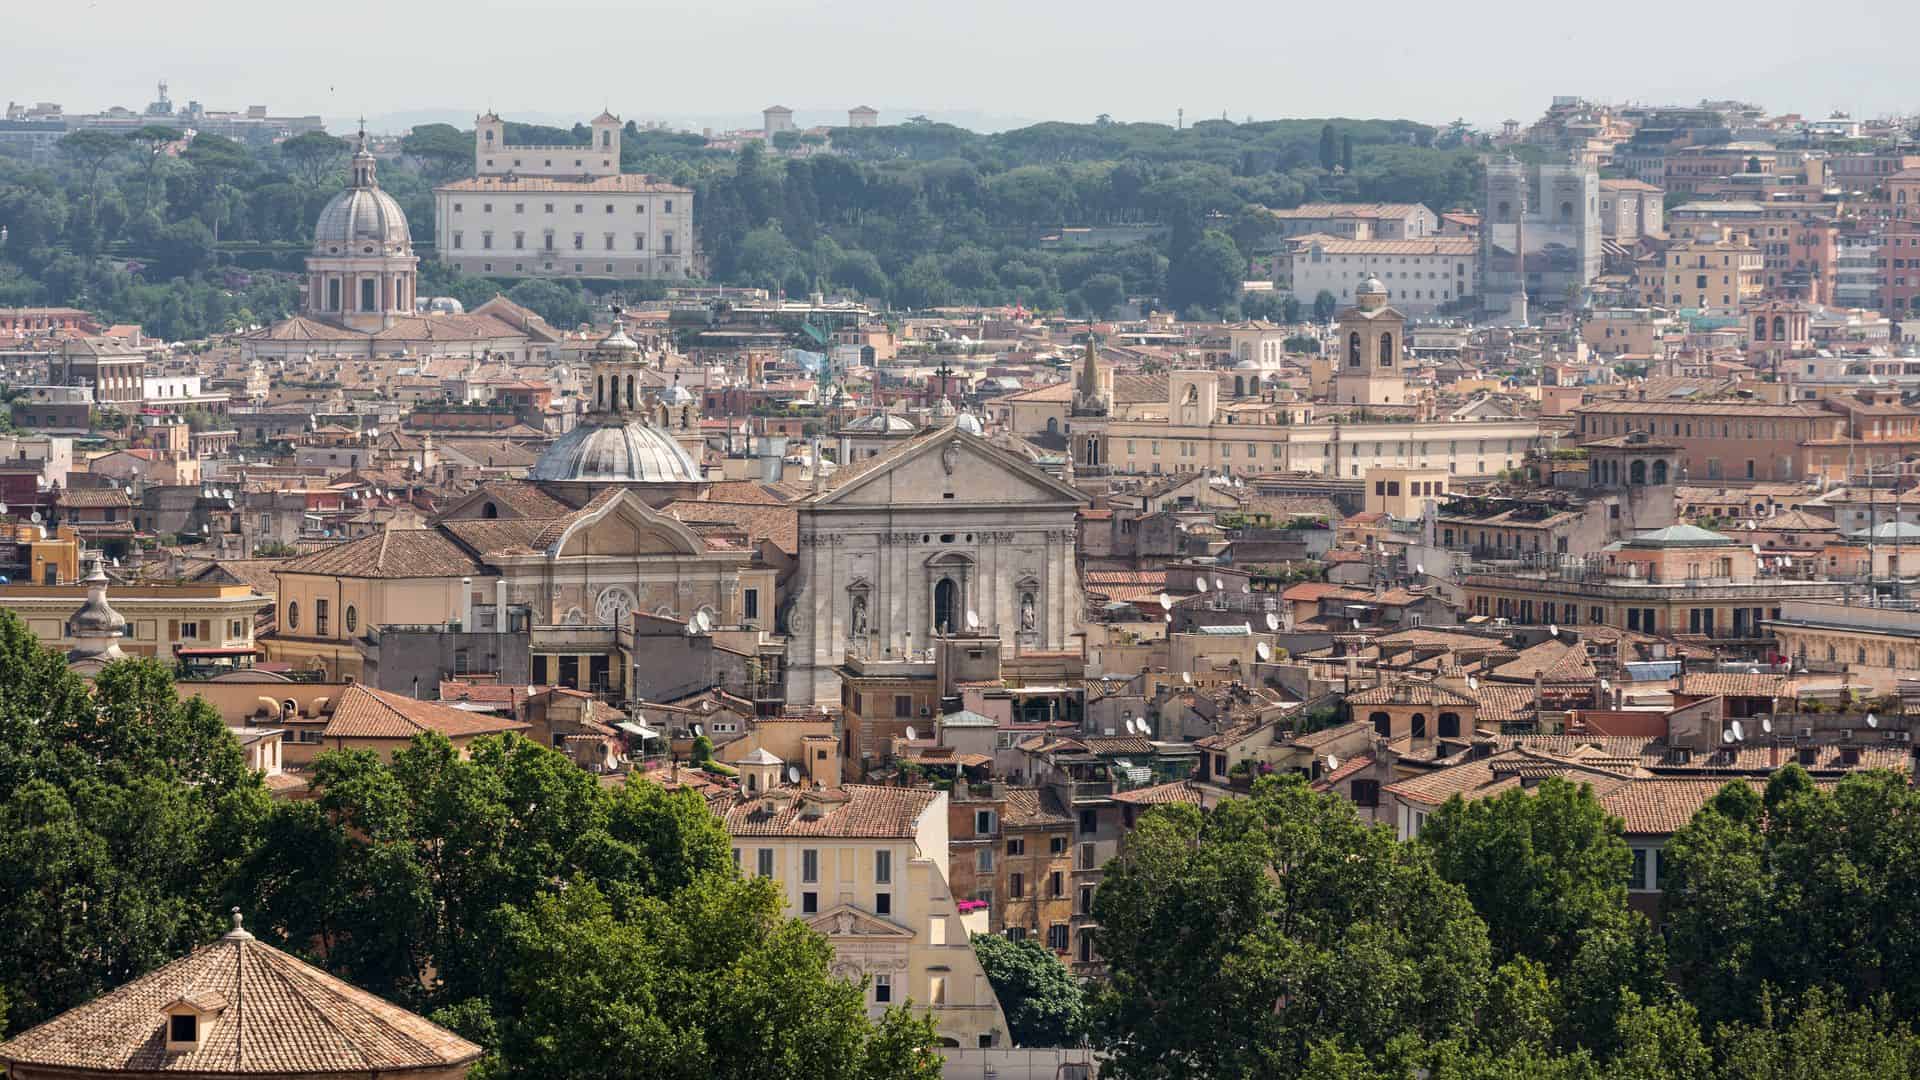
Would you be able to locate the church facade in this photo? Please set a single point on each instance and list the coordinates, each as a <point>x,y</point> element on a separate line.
<point>910,544</point>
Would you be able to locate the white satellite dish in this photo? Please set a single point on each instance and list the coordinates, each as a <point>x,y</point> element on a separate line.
<point>1186,677</point>
<point>36,517</point>
<point>697,732</point>
<point>910,733</point>
<point>1166,602</point>
<point>1220,584</point>
<point>1873,721</point>
<point>1201,584</point>
<point>1246,588</point>
<point>1553,630</point>
<point>1420,568</point>
<point>973,619</point>
<point>1168,616</point>
<point>703,620</point>
<point>1756,549</point>
<point>1356,624</point>
<point>1766,725</point>
<point>1727,737</point>
<point>1605,685</point>
<point>1333,762</point>
<point>1739,733</point>
<point>226,493</point>
<point>1473,683</point>
<point>793,774</point>
<point>706,706</point>
<point>1264,651</point>
<point>1273,621</point>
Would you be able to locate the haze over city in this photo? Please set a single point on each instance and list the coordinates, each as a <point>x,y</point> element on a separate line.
<point>989,65</point>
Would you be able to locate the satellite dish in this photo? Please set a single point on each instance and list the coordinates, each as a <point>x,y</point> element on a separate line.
<point>1420,568</point>
<point>1756,547</point>
<point>697,732</point>
<point>36,517</point>
<point>1166,602</point>
<point>793,774</point>
<point>706,706</point>
<point>1201,584</point>
<point>1727,737</point>
<point>1219,584</point>
<point>1739,733</point>
<point>910,733</point>
<point>1553,630</point>
<point>1186,677</point>
<point>705,620</point>
<point>226,493</point>
<point>1273,621</point>
<point>1605,685</point>
<point>1473,683</point>
<point>1333,762</point>
<point>973,619</point>
<point>1873,721</point>
<point>1264,651</point>
<point>1169,616</point>
<point>1766,725</point>
<point>1356,624</point>
<point>1246,588</point>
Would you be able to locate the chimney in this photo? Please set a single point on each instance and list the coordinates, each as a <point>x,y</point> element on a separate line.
<point>1539,691</point>
<point>466,605</point>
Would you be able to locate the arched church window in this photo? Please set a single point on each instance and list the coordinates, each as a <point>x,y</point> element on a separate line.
<point>1386,350</point>
<point>1779,328</point>
<point>1637,473</point>
<point>946,601</point>
<point>489,511</point>
<point>1659,472</point>
<point>1353,349</point>
<point>1760,328</point>
<point>1193,394</point>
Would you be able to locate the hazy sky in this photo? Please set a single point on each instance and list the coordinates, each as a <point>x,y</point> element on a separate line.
<point>990,62</point>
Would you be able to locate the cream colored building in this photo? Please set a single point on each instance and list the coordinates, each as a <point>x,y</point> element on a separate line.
<point>868,867</point>
<point>1710,273</point>
<point>562,211</point>
<point>162,620</point>
<point>1420,274</point>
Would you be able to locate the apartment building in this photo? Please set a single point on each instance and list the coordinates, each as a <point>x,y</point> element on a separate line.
<point>1718,440</point>
<point>1631,209</point>
<point>1420,274</point>
<point>1710,272</point>
<point>868,867</point>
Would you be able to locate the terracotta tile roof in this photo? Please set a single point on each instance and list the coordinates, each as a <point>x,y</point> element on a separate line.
<point>744,491</point>
<point>276,1016</point>
<point>1558,661</point>
<point>498,536</point>
<point>854,811</point>
<point>94,498</point>
<point>770,521</point>
<point>1410,693</point>
<point>1732,684</point>
<point>1032,807</point>
<point>1105,745</point>
<point>1493,775</point>
<point>1505,704</point>
<point>1175,791</point>
<point>525,499</point>
<point>1347,768</point>
<point>390,553</point>
<point>1662,806</point>
<point>1311,591</point>
<point>364,713</point>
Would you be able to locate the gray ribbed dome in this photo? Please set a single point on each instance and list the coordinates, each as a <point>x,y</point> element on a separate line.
<point>676,395</point>
<point>633,453</point>
<point>970,424</point>
<point>360,216</point>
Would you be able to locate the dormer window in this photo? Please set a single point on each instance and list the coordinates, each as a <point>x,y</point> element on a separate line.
<point>190,1020</point>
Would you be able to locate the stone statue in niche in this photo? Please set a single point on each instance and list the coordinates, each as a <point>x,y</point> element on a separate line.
<point>950,456</point>
<point>857,621</point>
<point>1028,618</point>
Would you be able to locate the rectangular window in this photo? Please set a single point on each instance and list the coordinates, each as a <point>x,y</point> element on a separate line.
<point>458,240</point>
<point>320,617</point>
<point>1057,937</point>
<point>937,990</point>
<point>809,903</point>
<point>1054,885</point>
<point>639,241</point>
<point>669,206</point>
<point>810,865</point>
<point>750,604</point>
<point>984,861</point>
<point>1016,845</point>
<point>579,241</point>
<point>764,863</point>
<point>1016,886</point>
<point>883,903</point>
<point>983,822</point>
<point>902,705</point>
<point>883,867</point>
<point>882,989</point>
<point>1057,845</point>
<point>609,239</point>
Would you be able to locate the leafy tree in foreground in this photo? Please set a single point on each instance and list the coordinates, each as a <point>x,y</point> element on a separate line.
<point>1540,866</point>
<point>1238,939</point>
<point>1044,1003</point>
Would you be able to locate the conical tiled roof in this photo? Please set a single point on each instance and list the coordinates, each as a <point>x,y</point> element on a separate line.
<point>270,1015</point>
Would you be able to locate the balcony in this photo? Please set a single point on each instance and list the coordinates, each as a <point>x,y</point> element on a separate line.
<point>602,638</point>
<point>1091,790</point>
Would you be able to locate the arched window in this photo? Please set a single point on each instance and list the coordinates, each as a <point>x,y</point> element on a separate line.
<point>1779,328</point>
<point>1449,725</point>
<point>1660,472</point>
<point>293,614</point>
<point>1637,473</point>
<point>1386,350</point>
<point>1353,349</point>
<point>1418,726</point>
<point>946,597</point>
<point>490,511</point>
<point>1053,425</point>
<point>1506,211</point>
<point>1239,386</point>
<point>600,391</point>
<point>1566,211</point>
<point>1193,394</point>
<point>1760,328</point>
<point>1382,723</point>
<point>630,395</point>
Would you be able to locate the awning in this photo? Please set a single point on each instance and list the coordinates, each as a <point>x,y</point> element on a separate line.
<point>640,731</point>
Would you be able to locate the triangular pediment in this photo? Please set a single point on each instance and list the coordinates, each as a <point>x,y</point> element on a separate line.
<point>845,920</point>
<point>624,525</point>
<point>948,467</point>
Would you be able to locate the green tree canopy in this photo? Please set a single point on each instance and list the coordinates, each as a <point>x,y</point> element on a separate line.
<point>1238,938</point>
<point>1044,1003</point>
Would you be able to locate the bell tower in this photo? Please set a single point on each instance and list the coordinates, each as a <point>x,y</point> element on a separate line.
<point>1370,350</point>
